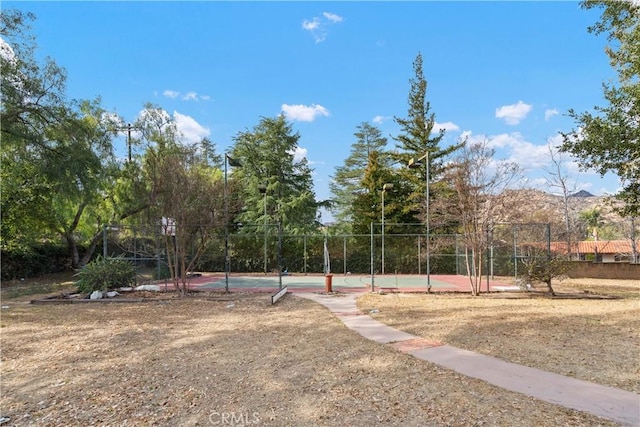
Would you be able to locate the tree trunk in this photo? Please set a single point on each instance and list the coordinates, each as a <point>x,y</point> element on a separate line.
<point>91,249</point>
<point>73,251</point>
<point>551,291</point>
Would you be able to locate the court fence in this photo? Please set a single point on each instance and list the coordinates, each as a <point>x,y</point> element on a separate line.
<point>398,249</point>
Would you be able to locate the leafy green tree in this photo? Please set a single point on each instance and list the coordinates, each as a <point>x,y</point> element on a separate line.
<point>194,218</point>
<point>592,219</point>
<point>267,154</point>
<point>417,138</point>
<point>608,139</point>
<point>346,185</point>
<point>79,176</point>
<point>56,154</point>
<point>32,92</point>
<point>53,190</point>
<point>184,193</point>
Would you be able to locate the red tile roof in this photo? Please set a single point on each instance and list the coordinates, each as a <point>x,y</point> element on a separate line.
<point>602,246</point>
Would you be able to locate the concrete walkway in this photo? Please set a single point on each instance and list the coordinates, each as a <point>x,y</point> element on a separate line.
<point>608,402</point>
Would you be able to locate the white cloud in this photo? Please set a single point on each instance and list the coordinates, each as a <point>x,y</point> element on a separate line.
<point>317,26</point>
<point>190,96</point>
<point>514,113</point>
<point>332,17</point>
<point>191,130</point>
<point>299,154</point>
<point>531,157</point>
<point>163,116</point>
<point>171,94</point>
<point>550,112</point>
<point>6,51</point>
<point>379,119</point>
<point>556,140</point>
<point>534,160</point>
<point>447,126</point>
<point>304,113</point>
<point>513,147</point>
<point>314,24</point>
<point>466,134</point>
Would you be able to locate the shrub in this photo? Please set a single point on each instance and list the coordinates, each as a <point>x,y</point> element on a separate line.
<point>104,274</point>
<point>162,272</point>
<point>19,262</point>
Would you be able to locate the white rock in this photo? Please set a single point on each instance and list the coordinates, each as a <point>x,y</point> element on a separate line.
<point>112,294</point>
<point>154,288</point>
<point>96,295</point>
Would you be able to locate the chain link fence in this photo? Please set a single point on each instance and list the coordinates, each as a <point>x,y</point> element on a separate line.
<point>399,249</point>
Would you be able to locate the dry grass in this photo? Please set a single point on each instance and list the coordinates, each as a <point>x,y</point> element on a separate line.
<point>55,282</point>
<point>203,362</point>
<point>576,334</point>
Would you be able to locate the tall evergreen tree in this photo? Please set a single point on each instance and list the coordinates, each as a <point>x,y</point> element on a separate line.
<point>367,204</point>
<point>418,137</point>
<point>267,155</point>
<point>347,183</point>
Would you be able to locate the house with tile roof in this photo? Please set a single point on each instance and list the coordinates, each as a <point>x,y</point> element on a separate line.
<point>600,250</point>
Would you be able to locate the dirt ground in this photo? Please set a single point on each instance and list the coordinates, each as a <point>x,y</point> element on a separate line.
<point>241,361</point>
<point>579,333</point>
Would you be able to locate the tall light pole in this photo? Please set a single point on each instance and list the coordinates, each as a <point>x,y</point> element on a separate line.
<point>235,163</point>
<point>263,189</point>
<point>385,188</point>
<point>416,164</point>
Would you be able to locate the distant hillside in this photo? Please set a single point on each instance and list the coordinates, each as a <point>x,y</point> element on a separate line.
<point>582,193</point>
<point>537,206</point>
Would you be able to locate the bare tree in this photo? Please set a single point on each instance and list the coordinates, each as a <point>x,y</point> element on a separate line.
<point>480,185</point>
<point>631,231</point>
<point>559,179</point>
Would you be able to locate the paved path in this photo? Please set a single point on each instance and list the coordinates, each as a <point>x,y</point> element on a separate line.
<point>608,402</point>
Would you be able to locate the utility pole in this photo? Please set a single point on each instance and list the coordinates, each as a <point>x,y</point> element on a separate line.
<point>128,128</point>
<point>129,140</point>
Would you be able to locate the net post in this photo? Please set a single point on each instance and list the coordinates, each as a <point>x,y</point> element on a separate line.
<point>372,258</point>
<point>279,255</point>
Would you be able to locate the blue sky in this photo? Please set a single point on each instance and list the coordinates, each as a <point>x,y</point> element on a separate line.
<point>502,71</point>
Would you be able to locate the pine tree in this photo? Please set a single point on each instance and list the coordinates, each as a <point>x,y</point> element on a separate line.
<point>347,185</point>
<point>267,157</point>
<point>417,138</point>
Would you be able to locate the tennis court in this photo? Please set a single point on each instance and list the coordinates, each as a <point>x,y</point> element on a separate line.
<point>340,283</point>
